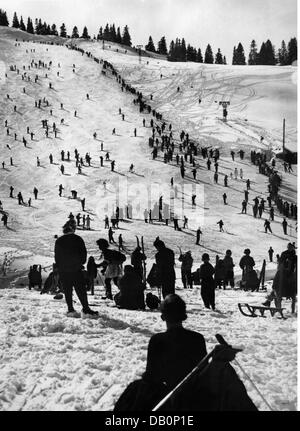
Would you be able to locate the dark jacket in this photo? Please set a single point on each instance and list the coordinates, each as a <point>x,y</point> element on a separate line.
<point>131,294</point>
<point>165,261</point>
<point>70,253</point>
<point>247,261</point>
<point>173,354</point>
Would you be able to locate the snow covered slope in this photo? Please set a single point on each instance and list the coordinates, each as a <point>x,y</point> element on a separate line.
<point>260,97</point>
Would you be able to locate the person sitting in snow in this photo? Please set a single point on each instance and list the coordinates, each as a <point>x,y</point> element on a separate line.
<point>131,295</point>
<point>35,277</point>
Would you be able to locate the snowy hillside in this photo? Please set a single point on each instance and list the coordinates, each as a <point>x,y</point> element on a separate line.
<point>34,328</point>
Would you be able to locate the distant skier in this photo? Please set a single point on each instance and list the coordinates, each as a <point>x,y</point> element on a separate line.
<point>271,252</point>
<point>284,226</point>
<point>225,198</point>
<point>221,224</point>
<point>267,226</point>
<point>198,236</point>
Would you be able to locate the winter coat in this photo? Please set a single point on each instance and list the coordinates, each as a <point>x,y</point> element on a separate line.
<point>206,272</point>
<point>165,261</point>
<point>70,253</point>
<point>131,294</point>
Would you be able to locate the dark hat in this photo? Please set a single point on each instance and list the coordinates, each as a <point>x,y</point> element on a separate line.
<point>173,308</point>
<point>205,256</point>
<point>69,227</point>
<point>158,243</point>
<point>102,243</point>
<point>247,251</point>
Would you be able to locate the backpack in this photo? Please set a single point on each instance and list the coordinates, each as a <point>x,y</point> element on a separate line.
<point>117,256</point>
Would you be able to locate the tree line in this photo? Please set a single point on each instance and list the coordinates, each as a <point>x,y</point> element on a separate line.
<point>108,33</point>
<point>178,50</point>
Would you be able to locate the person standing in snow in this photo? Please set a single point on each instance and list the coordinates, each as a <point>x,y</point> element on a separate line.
<point>70,256</point>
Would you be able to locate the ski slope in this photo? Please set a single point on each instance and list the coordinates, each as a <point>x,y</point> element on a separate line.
<point>81,359</point>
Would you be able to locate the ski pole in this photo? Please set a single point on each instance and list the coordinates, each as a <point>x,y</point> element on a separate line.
<point>222,341</point>
<point>195,370</point>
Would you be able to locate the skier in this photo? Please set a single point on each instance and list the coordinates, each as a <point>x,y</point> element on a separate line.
<point>60,189</point>
<point>186,269</point>
<point>225,198</point>
<point>228,269</point>
<point>226,181</point>
<point>221,224</point>
<point>284,226</point>
<point>244,207</point>
<point>120,241</point>
<point>206,272</point>
<point>110,236</point>
<point>165,267</point>
<point>11,192</point>
<point>271,252</point>
<point>248,184</point>
<point>198,236</point>
<point>35,192</point>
<point>4,219</point>
<point>82,201</point>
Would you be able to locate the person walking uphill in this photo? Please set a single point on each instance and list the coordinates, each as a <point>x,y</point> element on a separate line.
<point>165,261</point>
<point>70,256</point>
<point>206,272</point>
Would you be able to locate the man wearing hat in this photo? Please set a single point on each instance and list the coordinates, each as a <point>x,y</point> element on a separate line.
<point>165,260</point>
<point>70,256</point>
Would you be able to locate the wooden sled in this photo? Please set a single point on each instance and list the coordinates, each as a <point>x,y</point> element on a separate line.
<point>252,309</point>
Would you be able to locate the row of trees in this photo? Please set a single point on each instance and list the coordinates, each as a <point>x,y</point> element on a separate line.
<point>266,55</point>
<point>178,50</point>
<point>109,32</point>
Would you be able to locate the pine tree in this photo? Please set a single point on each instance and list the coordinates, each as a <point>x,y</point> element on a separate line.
<point>292,50</point>
<point>3,19</point>
<point>162,46</point>
<point>63,31</point>
<point>224,60</point>
<point>118,37</point>
<point>113,34</point>
<point>171,51</point>
<point>126,39</point>
<point>29,27</point>
<point>240,55</point>
<point>22,25</point>
<point>270,54</point>
<point>75,34</point>
<point>253,55</point>
<point>208,57</point>
<point>219,57</point>
<point>38,26</point>
<point>100,34</point>
<point>54,31</point>
<point>15,23</point>
<point>234,55</point>
<point>106,33</point>
<point>150,46</point>
<point>183,51</point>
<point>283,54</point>
<point>262,54</point>
<point>199,56</point>
<point>85,34</point>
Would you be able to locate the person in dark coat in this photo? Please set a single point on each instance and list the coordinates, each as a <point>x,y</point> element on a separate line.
<point>206,272</point>
<point>92,273</point>
<point>137,259</point>
<point>70,256</point>
<point>186,269</point>
<point>165,261</point>
<point>174,353</point>
<point>131,295</point>
<point>228,269</point>
<point>35,277</point>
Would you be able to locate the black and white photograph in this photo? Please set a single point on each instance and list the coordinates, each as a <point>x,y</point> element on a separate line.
<point>148,208</point>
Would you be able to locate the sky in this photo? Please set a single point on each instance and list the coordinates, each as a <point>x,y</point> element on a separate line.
<point>222,23</point>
